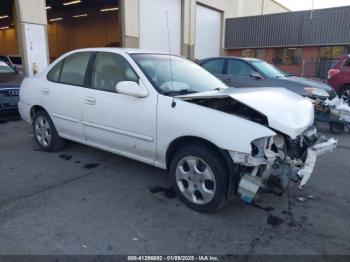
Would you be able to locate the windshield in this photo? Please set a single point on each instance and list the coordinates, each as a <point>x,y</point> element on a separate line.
<point>185,77</point>
<point>269,70</point>
<point>5,68</point>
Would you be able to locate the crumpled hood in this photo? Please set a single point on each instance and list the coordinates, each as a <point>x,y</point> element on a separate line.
<point>286,111</point>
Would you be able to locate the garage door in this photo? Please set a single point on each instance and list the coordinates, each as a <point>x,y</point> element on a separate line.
<point>208,32</point>
<point>153,25</point>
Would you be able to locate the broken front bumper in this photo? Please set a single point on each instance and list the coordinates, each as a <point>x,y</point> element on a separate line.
<point>257,172</point>
<point>312,153</point>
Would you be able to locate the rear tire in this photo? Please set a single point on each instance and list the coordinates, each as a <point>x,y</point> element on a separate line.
<point>199,177</point>
<point>45,133</point>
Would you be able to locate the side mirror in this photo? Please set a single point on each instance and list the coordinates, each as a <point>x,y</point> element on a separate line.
<point>256,75</point>
<point>131,88</point>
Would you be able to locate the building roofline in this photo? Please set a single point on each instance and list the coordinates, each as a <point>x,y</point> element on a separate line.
<point>282,5</point>
<point>288,13</point>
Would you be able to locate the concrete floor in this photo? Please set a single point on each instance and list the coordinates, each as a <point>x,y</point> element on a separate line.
<point>86,201</point>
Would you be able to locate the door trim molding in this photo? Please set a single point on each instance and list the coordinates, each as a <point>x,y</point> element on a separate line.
<point>118,131</point>
<point>65,118</point>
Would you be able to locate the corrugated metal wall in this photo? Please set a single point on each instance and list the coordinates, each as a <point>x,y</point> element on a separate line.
<point>325,27</point>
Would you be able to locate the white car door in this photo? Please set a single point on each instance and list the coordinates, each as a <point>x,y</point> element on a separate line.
<point>63,94</point>
<point>120,123</point>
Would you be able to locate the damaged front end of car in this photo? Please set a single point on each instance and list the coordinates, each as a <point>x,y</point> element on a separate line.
<point>275,162</point>
<point>278,162</point>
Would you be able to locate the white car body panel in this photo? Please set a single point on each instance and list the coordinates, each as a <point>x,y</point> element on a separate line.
<point>291,114</point>
<point>226,131</point>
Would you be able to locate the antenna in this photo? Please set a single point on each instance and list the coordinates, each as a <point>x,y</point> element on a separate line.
<point>173,104</point>
<point>312,9</point>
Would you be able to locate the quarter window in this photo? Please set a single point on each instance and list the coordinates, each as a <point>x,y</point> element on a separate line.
<point>238,68</point>
<point>74,69</point>
<point>54,73</point>
<point>109,70</point>
<point>214,66</point>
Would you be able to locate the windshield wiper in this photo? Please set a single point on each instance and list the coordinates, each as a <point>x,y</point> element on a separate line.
<point>180,92</point>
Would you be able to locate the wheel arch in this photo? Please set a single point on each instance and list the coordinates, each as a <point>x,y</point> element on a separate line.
<point>35,109</point>
<point>232,169</point>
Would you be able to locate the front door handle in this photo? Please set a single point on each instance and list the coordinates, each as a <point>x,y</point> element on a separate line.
<point>227,80</point>
<point>90,100</point>
<point>46,91</point>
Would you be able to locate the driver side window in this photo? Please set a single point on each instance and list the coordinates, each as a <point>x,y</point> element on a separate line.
<point>109,70</point>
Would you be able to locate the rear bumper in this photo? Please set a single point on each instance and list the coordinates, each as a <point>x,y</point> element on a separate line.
<point>24,111</point>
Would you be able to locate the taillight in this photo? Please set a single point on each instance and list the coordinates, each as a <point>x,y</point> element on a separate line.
<point>332,72</point>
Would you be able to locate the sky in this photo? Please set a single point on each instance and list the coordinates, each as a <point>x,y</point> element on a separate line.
<point>296,5</point>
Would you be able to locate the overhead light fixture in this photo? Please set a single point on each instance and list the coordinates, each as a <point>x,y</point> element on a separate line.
<point>81,15</point>
<point>56,19</point>
<point>48,7</point>
<point>109,9</point>
<point>4,27</point>
<point>4,16</point>
<point>72,2</point>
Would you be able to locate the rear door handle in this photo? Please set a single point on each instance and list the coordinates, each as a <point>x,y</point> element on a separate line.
<point>90,100</point>
<point>46,91</point>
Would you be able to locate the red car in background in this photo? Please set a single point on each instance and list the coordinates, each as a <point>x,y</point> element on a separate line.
<point>339,78</point>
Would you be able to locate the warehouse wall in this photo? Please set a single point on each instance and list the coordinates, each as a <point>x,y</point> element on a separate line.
<point>226,7</point>
<point>95,31</point>
<point>31,21</point>
<point>131,30</point>
<point>8,42</point>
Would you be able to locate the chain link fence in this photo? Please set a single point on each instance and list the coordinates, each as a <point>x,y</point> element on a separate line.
<point>317,69</point>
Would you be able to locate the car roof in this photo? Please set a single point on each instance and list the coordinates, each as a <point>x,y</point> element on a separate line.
<point>247,59</point>
<point>117,49</point>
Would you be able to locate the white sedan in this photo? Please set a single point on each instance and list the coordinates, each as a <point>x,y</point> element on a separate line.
<point>216,142</point>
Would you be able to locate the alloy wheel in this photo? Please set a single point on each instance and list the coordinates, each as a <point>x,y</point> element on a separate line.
<point>195,180</point>
<point>43,131</point>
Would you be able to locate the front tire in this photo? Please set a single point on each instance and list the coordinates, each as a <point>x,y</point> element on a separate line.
<point>199,177</point>
<point>46,134</point>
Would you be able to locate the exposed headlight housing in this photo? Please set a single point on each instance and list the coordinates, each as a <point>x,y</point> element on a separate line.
<point>316,92</point>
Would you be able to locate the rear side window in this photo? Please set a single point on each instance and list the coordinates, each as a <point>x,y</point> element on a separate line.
<point>238,68</point>
<point>215,66</point>
<point>54,73</point>
<point>71,70</point>
<point>74,69</point>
